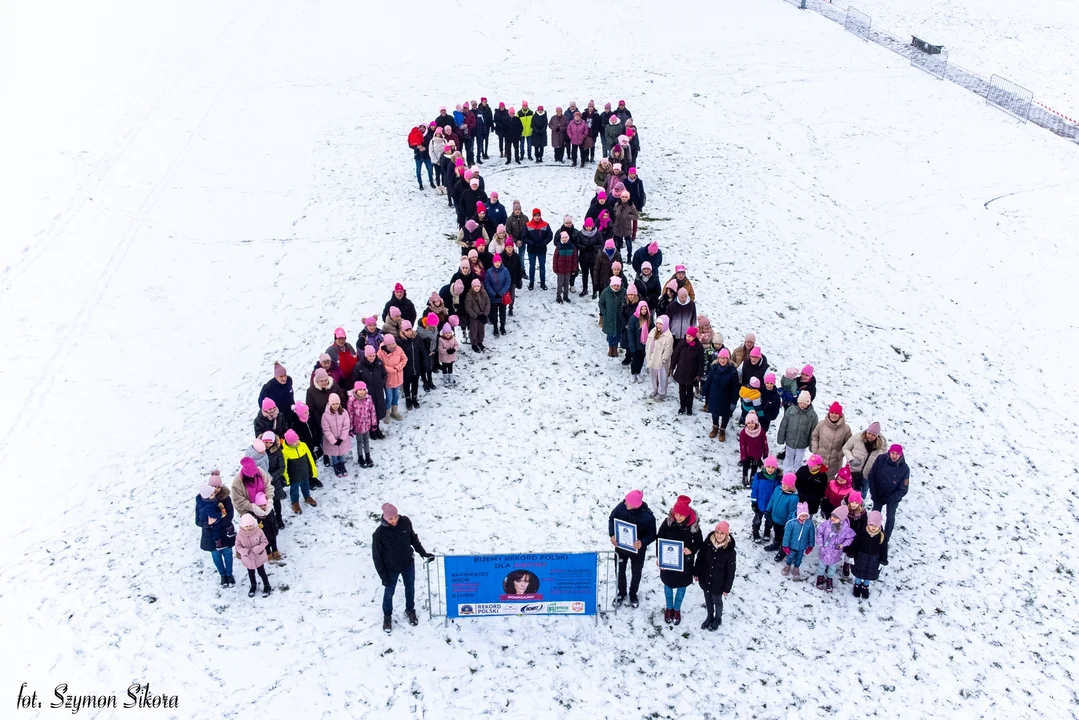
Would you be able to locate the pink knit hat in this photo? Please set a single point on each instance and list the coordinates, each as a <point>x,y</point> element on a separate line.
<point>616,282</point>
<point>896,448</point>
<point>321,375</point>
<point>248,520</point>
<point>634,498</point>
<point>841,512</point>
<point>369,351</point>
<point>279,369</point>
<point>268,404</point>
<point>724,353</point>
<point>589,223</point>
<point>803,509</point>
<point>770,378</point>
<point>855,498</point>
<point>807,370</point>
<point>692,332</point>
<point>663,320</point>
<point>672,286</point>
<point>325,357</point>
<point>395,312</point>
<point>268,438</point>
<point>874,427</point>
<point>771,461</point>
<point>646,265</point>
<point>339,333</point>
<point>754,382</point>
<point>836,408</point>
<point>405,325</point>
<point>215,479</point>
<point>476,284</point>
<point>844,474</point>
<point>258,446</point>
<point>723,527</point>
<point>388,511</point>
<point>302,411</point>
<point>788,480</point>
<point>248,467</point>
<point>653,248</point>
<point>454,320</point>
<point>679,268</point>
<point>875,518</point>
<point>260,498</point>
<point>790,373</point>
<point>446,329</point>
<point>398,288</point>
<point>370,320</point>
<point>609,245</point>
<point>815,459</point>
<point>602,195</point>
<point>458,286</point>
<point>291,437</point>
<point>755,352</point>
<point>361,385</point>
<point>391,340</point>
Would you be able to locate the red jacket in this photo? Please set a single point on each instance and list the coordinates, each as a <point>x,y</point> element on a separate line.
<point>755,448</point>
<point>415,137</point>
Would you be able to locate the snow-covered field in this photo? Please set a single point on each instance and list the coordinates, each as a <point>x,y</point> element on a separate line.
<point>1034,44</point>
<point>198,189</point>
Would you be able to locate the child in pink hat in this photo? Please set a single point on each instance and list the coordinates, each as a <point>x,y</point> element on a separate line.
<point>799,537</point>
<point>447,353</point>
<point>251,546</point>
<point>870,551</point>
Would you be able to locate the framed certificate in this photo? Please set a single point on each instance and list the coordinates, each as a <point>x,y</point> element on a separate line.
<point>625,534</point>
<point>671,556</point>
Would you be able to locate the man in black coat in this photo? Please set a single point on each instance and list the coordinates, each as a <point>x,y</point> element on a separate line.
<point>889,481</point>
<point>400,300</point>
<point>391,547</point>
<point>514,130</point>
<point>635,511</point>
<point>279,389</point>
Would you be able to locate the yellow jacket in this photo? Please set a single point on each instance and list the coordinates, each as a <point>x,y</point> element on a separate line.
<point>295,454</point>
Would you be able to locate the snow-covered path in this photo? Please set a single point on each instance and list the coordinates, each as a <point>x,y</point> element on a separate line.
<point>256,192</point>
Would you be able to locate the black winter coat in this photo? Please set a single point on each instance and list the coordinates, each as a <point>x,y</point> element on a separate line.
<point>888,481</point>
<point>501,121</point>
<point>222,529</point>
<point>715,567</point>
<point>869,552</point>
<point>515,266</point>
<point>642,517</point>
<point>721,388</point>
<point>514,128</point>
<point>374,374</point>
<point>636,191</point>
<point>574,234</point>
<point>281,395</point>
<point>539,129</point>
<point>391,548</point>
<point>277,426</point>
<point>587,247</point>
<point>452,308</point>
<point>595,208</point>
<point>469,198</point>
<point>770,405</point>
<point>857,524</point>
<point>811,487</point>
<point>488,115</point>
<point>418,359</point>
<point>750,370</point>
<point>690,534</point>
<point>408,310</point>
<point>648,288</point>
<point>810,386</point>
<point>686,362</point>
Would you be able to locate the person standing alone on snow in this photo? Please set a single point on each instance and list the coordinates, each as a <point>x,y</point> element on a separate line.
<point>715,568</point>
<point>391,547</point>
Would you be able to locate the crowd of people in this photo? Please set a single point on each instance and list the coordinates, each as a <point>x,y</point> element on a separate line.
<point>354,391</point>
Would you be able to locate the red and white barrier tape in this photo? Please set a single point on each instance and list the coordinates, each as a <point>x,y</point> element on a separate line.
<point>1046,107</point>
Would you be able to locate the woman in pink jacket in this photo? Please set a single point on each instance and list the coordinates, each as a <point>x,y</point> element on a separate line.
<point>577,131</point>
<point>394,360</point>
<point>361,411</point>
<point>336,433</point>
<point>251,546</point>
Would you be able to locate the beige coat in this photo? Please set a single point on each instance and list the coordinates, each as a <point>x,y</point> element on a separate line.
<point>856,456</point>
<point>658,352</point>
<point>241,504</point>
<point>827,441</point>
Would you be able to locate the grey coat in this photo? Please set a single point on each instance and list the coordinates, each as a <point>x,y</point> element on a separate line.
<point>797,427</point>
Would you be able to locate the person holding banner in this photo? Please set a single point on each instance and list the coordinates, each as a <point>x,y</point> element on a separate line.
<point>632,511</point>
<point>715,569</point>
<point>391,545</point>
<point>681,526</point>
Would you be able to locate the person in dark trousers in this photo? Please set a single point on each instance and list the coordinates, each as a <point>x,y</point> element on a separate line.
<point>538,236</point>
<point>391,547</point>
<point>483,135</point>
<point>501,125</point>
<point>716,565</point>
<point>633,510</point>
<point>889,481</point>
<point>279,389</point>
<point>417,367</point>
<point>514,128</point>
<point>497,282</point>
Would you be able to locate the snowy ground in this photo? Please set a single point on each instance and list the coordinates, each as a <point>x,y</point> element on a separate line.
<point>197,194</point>
<point>1033,44</point>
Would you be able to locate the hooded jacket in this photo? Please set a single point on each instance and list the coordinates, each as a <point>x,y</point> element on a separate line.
<point>391,548</point>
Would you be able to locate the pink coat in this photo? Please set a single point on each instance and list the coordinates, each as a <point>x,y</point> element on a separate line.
<point>394,362</point>
<point>362,413</point>
<point>444,345</point>
<point>577,132</point>
<point>336,426</point>
<point>251,544</point>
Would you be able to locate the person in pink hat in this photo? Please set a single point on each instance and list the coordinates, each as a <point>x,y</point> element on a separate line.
<point>344,356</point>
<point>829,437</point>
<point>799,537</point>
<point>251,544</point>
<point>399,299</point>
<point>833,536</point>
<point>447,354</point>
<point>795,431</point>
<point>337,433</point>
<point>649,253</point>
<point>812,482</point>
<point>870,549</point>
<point>252,493</point>
<point>861,451</point>
<point>807,381</point>
<point>889,481</point>
<point>720,390</point>
<point>370,335</point>
<point>393,360</point>
<point>752,448</point>
<point>300,468</point>
<point>305,430</point>
<point>279,389</point>
<point>659,349</point>
<point>392,544</point>
<point>716,567</point>
<point>765,482</point>
<point>270,418</point>
<point>256,450</point>
<point>635,511</point>
<point>857,518</point>
<point>770,401</point>
<point>214,514</point>
<point>681,281</point>
<point>363,421</point>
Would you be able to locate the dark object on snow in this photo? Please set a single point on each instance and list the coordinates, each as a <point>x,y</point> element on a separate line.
<point>924,46</point>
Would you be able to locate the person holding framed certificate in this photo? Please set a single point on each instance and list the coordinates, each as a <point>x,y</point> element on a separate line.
<point>632,528</point>
<point>680,525</point>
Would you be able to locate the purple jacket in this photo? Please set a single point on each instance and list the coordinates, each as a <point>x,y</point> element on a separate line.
<point>831,541</point>
<point>577,131</point>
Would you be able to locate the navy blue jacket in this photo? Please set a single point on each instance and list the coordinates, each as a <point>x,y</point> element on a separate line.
<point>642,254</point>
<point>721,388</point>
<point>496,211</point>
<point>418,360</point>
<point>636,191</point>
<point>770,405</point>
<point>888,481</point>
<point>281,395</point>
<point>537,240</point>
<point>221,531</point>
<point>497,282</point>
